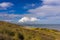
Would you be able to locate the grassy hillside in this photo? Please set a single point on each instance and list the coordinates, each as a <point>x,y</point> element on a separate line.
<point>10,31</point>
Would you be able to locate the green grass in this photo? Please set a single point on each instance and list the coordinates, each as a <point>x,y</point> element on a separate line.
<point>9,31</point>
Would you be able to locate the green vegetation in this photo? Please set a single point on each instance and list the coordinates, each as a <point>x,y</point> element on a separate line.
<point>9,31</point>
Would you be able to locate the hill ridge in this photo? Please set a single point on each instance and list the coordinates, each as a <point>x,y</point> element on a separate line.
<point>10,31</point>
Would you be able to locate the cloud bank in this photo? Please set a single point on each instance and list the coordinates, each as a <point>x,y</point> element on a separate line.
<point>51,2</point>
<point>49,11</point>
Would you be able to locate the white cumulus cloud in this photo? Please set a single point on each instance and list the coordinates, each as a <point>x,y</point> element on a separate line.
<point>5,5</point>
<point>28,19</point>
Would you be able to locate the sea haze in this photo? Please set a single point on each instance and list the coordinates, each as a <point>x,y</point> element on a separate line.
<point>49,26</point>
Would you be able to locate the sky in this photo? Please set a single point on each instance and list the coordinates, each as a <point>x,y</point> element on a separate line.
<point>30,11</point>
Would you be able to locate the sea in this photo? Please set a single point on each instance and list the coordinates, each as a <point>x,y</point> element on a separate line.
<point>49,26</point>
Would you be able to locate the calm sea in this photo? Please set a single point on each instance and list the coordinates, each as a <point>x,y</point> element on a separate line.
<point>49,26</point>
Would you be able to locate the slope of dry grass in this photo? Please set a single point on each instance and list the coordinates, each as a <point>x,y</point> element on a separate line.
<point>9,31</point>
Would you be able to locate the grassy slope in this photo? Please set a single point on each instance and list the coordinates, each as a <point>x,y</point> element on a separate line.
<point>10,31</point>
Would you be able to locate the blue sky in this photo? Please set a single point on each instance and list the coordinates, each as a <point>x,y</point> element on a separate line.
<point>18,5</point>
<point>30,11</point>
